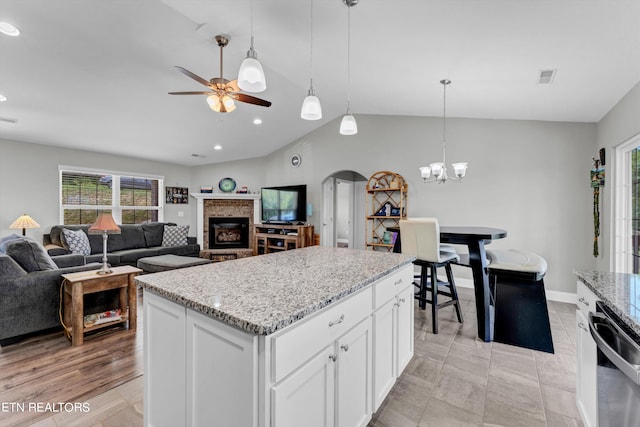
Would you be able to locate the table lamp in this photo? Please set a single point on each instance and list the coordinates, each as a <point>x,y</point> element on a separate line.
<point>24,222</point>
<point>104,225</point>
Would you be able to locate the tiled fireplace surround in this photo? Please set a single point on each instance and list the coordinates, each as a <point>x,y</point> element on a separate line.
<point>225,205</point>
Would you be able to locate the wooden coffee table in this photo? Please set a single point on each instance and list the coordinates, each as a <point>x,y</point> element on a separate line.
<point>77,285</point>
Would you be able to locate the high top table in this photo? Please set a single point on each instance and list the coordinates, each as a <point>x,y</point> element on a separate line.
<point>475,238</point>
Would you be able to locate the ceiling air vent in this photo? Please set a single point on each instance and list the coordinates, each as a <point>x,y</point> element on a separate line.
<point>546,77</point>
<point>8,120</point>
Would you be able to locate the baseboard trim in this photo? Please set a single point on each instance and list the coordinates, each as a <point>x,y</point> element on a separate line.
<point>559,296</point>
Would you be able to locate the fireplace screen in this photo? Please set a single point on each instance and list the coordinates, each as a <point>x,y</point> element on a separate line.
<point>226,232</point>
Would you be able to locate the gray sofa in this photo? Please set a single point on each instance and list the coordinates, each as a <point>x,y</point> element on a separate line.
<point>30,276</point>
<point>134,242</point>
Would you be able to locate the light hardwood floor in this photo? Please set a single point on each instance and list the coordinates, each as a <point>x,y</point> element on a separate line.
<point>453,380</point>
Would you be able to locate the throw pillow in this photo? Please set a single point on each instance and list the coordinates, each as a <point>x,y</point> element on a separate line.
<point>31,255</point>
<point>175,235</point>
<point>4,242</point>
<point>76,241</point>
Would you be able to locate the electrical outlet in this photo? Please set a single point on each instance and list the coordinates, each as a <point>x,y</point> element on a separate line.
<point>180,213</point>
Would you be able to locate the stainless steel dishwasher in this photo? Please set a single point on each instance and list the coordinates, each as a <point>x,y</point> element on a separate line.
<point>618,374</point>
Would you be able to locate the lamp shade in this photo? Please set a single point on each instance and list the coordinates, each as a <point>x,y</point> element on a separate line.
<point>426,172</point>
<point>348,125</point>
<point>459,169</point>
<point>226,106</point>
<point>24,221</point>
<point>104,224</point>
<point>311,108</point>
<point>437,169</point>
<point>251,76</point>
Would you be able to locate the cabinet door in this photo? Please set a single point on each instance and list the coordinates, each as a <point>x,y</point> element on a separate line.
<point>164,379</point>
<point>404,317</point>
<point>383,353</point>
<point>586,385</point>
<point>221,372</point>
<point>307,396</point>
<point>353,393</point>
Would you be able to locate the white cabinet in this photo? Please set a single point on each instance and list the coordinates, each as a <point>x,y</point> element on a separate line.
<point>331,389</point>
<point>321,371</point>
<point>393,327</point>
<point>307,396</point>
<point>586,375</point>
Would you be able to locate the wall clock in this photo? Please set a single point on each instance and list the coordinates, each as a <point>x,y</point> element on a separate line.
<point>296,159</point>
<point>227,185</point>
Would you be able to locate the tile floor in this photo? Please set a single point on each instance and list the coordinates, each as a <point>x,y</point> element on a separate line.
<point>453,380</point>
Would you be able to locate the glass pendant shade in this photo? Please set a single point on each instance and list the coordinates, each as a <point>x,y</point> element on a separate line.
<point>425,171</point>
<point>348,126</point>
<point>251,76</point>
<point>311,108</point>
<point>437,169</point>
<point>460,169</point>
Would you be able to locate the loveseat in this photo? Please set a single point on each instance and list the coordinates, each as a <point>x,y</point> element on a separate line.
<point>30,275</point>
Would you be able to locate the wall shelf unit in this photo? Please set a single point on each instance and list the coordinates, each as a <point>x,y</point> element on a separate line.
<point>386,206</point>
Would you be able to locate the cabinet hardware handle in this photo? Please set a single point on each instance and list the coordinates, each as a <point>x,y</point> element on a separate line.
<point>401,300</point>
<point>581,326</point>
<point>397,282</point>
<point>333,357</point>
<point>345,347</point>
<point>336,322</point>
<point>582,300</point>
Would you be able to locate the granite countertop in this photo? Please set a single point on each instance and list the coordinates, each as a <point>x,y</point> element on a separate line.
<point>265,293</point>
<point>619,291</point>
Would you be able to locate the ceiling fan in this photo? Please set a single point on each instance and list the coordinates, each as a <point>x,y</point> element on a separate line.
<point>222,92</point>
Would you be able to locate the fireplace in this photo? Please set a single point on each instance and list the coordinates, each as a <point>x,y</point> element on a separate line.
<point>228,232</point>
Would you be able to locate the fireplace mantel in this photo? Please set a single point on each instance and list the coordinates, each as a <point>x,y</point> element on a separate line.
<point>201,197</point>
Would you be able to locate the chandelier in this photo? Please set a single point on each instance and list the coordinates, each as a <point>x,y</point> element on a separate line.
<point>437,172</point>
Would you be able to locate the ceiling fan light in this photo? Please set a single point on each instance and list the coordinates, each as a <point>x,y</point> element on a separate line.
<point>348,125</point>
<point>311,108</point>
<point>460,169</point>
<point>214,102</point>
<point>228,104</point>
<point>251,75</point>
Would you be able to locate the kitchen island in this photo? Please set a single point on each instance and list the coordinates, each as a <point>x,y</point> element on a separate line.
<point>314,336</point>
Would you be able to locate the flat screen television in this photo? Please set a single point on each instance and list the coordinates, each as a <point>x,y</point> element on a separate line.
<point>285,204</point>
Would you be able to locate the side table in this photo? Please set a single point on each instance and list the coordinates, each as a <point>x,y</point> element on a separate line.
<point>76,285</point>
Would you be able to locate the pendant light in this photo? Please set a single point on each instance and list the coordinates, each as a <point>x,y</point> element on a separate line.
<point>348,125</point>
<point>251,76</point>
<point>311,108</point>
<point>437,172</point>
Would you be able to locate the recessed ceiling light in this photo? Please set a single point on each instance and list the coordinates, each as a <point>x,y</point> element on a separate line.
<point>217,147</point>
<point>9,29</point>
<point>257,121</point>
<point>2,98</point>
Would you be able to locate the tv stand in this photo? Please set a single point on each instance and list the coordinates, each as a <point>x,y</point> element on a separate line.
<point>272,237</point>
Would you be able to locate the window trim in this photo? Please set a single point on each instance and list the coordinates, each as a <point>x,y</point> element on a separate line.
<point>620,259</point>
<point>115,207</point>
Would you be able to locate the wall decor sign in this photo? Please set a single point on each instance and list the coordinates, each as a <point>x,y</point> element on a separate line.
<point>177,195</point>
<point>597,181</point>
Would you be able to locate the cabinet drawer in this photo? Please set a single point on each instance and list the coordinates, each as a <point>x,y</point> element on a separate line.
<point>296,345</point>
<point>586,299</point>
<point>388,287</point>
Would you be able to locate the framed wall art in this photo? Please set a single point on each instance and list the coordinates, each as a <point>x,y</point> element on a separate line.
<point>177,195</point>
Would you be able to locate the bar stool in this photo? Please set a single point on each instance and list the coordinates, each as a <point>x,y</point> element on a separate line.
<point>522,316</point>
<point>421,238</point>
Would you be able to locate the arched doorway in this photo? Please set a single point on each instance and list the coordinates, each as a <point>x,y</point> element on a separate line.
<point>343,209</point>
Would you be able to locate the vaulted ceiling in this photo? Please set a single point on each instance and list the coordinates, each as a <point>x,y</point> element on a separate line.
<point>94,74</point>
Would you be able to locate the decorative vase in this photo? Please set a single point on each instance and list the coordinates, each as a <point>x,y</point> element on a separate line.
<point>386,237</point>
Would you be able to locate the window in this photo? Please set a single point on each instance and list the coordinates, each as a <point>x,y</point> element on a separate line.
<point>131,199</point>
<point>626,257</point>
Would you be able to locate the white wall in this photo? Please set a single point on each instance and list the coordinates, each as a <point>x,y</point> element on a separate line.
<point>530,178</point>
<point>619,125</point>
<point>29,182</point>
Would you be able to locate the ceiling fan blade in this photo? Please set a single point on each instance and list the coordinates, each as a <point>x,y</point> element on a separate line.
<point>193,76</point>
<point>204,92</point>
<point>251,100</point>
<point>232,86</point>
